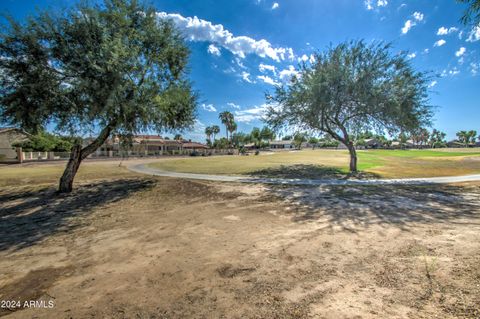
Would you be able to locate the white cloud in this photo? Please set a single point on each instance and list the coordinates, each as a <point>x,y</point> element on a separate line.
<point>288,73</point>
<point>263,67</point>
<point>412,55</point>
<point>233,105</point>
<point>267,79</point>
<point>474,35</point>
<point>474,68</point>
<point>275,5</point>
<point>303,58</point>
<point>432,84</point>
<point>439,43</point>
<point>408,25</point>
<point>425,51</point>
<point>418,16</point>
<point>212,49</point>
<point>251,114</point>
<point>370,4</point>
<point>451,72</point>
<point>445,31</point>
<point>209,108</point>
<point>246,77</point>
<point>196,29</point>
<point>460,52</point>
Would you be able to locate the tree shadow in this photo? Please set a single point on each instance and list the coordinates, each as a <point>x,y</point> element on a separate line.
<point>309,171</point>
<point>353,207</point>
<point>28,217</point>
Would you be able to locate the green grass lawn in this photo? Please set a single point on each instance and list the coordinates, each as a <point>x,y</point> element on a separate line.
<point>322,163</point>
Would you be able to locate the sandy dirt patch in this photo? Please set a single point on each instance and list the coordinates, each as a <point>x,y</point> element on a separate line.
<point>168,248</point>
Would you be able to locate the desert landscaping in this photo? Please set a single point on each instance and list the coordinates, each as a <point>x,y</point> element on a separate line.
<point>123,245</point>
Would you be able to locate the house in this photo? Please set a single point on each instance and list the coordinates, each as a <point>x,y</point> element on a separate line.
<point>282,144</point>
<point>373,143</point>
<point>8,137</point>
<point>193,146</point>
<point>455,144</point>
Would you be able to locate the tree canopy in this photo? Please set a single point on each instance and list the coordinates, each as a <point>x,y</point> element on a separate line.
<point>111,67</point>
<point>352,88</point>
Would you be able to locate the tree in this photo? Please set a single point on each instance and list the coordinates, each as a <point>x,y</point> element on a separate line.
<point>227,119</point>
<point>46,142</point>
<point>351,88</point>
<point>472,13</point>
<point>298,139</point>
<point>178,137</point>
<point>313,141</point>
<point>232,128</point>
<point>467,137</point>
<point>113,67</point>
<point>420,136</point>
<point>437,139</point>
<point>215,131</point>
<point>267,134</point>
<point>209,133</point>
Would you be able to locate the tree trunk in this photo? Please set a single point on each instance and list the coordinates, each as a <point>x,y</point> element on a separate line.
<point>353,157</point>
<point>66,181</point>
<point>78,155</point>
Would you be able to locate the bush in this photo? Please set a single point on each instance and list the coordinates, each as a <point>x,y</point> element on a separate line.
<point>194,153</point>
<point>257,152</point>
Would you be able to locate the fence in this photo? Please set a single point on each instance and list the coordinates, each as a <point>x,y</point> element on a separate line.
<point>17,155</point>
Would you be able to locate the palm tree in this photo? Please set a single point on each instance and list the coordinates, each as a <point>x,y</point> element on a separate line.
<point>232,128</point>
<point>472,135</point>
<point>178,137</point>
<point>227,119</point>
<point>215,131</point>
<point>208,133</point>
<point>463,137</point>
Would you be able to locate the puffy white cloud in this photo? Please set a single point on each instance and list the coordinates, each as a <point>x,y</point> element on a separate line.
<point>408,25</point>
<point>418,16</point>
<point>251,114</point>
<point>196,29</point>
<point>370,4</point>
<point>209,108</point>
<point>474,35</point>
<point>439,43</point>
<point>275,5</point>
<point>287,73</point>
<point>412,55</point>
<point>303,58</point>
<point>212,49</point>
<point>432,84</point>
<point>233,105</point>
<point>246,77</point>
<point>263,67</point>
<point>267,79</point>
<point>445,31</point>
<point>460,52</point>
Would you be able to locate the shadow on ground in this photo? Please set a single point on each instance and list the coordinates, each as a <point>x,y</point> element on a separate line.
<point>28,217</point>
<point>400,205</point>
<point>310,172</point>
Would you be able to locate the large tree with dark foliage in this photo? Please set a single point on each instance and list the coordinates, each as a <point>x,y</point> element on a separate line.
<point>352,88</point>
<point>112,67</point>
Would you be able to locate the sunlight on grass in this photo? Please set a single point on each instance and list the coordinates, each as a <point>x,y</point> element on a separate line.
<point>384,163</point>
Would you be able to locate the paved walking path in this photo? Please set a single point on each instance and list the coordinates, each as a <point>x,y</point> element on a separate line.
<point>145,169</point>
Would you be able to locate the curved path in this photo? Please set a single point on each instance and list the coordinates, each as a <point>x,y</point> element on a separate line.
<point>144,169</point>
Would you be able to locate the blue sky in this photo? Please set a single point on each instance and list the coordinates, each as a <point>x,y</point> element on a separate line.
<point>240,48</point>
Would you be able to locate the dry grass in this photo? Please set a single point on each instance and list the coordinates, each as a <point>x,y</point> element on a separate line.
<point>388,164</point>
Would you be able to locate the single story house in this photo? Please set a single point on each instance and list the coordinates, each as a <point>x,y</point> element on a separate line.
<point>193,146</point>
<point>282,144</point>
<point>8,137</point>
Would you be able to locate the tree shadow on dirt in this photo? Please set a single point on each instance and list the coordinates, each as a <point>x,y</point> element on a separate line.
<point>361,206</point>
<point>28,217</point>
<point>309,171</point>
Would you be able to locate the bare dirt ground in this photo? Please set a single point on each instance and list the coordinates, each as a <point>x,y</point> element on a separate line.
<point>138,247</point>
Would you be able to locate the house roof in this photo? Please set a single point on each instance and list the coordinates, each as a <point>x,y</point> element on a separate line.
<point>8,129</point>
<point>281,142</point>
<point>194,145</point>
